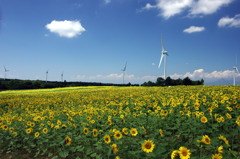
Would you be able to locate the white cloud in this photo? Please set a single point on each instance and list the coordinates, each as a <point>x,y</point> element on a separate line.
<point>199,73</point>
<point>207,6</point>
<point>230,22</point>
<point>66,28</point>
<point>169,8</point>
<point>193,29</point>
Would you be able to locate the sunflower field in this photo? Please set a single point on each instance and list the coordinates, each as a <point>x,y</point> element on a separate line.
<point>198,122</point>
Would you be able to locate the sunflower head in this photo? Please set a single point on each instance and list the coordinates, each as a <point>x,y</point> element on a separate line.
<point>107,139</point>
<point>117,135</point>
<point>134,132</point>
<point>148,146</point>
<point>85,131</point>
<point>95,132</point>
<point>36,134</point>
<point>184,153</point>
<point>114,148</point>
<point>204,119</point>
<point>45,130</point>
<point>68,140</point>
<point>217,156</point>
<point>125,131</point>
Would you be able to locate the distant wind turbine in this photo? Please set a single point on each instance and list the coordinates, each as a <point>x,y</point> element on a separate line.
<point>46,76</point>
<point>62,76</point>
<point>235,71</point>
<point>124,69</point>
<point>5,72</point>
<point>164,55</point>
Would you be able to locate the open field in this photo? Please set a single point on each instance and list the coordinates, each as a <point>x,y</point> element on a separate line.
<point>121,122</point>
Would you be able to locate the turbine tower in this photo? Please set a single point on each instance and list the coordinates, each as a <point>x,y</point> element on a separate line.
<point>5,72</point>
<point>164,55</point>
<point>46,76</point>
<point>62,76</point>
<point>235,71</point>
<point>124,69</point>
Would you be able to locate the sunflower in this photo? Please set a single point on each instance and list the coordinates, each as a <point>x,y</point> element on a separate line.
<point>134,132</point>
<point>95,132</point>
<point>117,157</point>
<point>161,132</point>
<point>117,135</point>
<point>59,122</point>
<point>217,156</point>
<point>4,127</point>
<point>68,140</point>
<point>114,148</point>
<point>174,154</point>
<point>29,130</point>
<point>85,131</point>
<point>184,153</point>
<point>36,134</point>
<point>220,149</point>
<point>107,139</point>
<point>125,131</point>
<point>45,130</point>
<point>205,139</point>
<point>204,119</point>
<point>148,146</point>
<point>224,139</point>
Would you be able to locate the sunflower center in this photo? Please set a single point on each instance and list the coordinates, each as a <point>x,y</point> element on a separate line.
<point>148,145</point>
<point>184,153</point>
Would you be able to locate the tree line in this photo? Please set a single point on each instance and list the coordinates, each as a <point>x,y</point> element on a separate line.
<point>173,82</point>
<point>13,84</point>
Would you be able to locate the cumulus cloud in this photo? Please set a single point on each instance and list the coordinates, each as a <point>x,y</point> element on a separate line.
<point>230,22</point>
<point>200,73</point>
<point>193,29</point>
<point>207,6</point>
<point>169,8</point>
<point>66,28</point>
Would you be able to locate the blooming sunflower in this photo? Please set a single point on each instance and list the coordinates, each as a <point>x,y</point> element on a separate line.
<point>184,153</point>
<point>205,139</point>
<point>224,139</point>
<point>95,132</point>
<point>204,119</point>
<point>125,131</point>
<point>45,130</point>
<point>161,132</point>
<point>134,132</point>
<point>29,130</point>
<point>36,134</point>
<point>217,156</point>
<point>107,139</point>
<point>148,146</point>
<point>114,148</point>
<point>220,149</point>
<point>117,135</point>
<point>68,140</point>
<point>85,131</point>
<point>174,154</point>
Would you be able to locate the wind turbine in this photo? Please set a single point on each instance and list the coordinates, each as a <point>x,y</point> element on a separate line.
<point>62,76</point>
<point>164,55</point>
<point>124,69</point>
<point>5,72</point>
<point>235,71</point>
<point>46,75</point>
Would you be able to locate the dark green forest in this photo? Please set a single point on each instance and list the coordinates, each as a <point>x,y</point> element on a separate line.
<point>13,84</point>
<point>173,82</point>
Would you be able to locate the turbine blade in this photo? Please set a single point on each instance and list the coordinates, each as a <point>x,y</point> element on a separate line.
<point>160,61</point>
<point>162,44</point>
<point>237,70</point>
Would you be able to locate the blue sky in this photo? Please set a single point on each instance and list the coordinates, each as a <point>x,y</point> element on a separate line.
<point>91,40</point>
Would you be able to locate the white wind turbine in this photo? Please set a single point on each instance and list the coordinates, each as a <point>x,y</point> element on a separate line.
<point>46,76</point>
<point>164,55</point>
<point>124,69</point>
<point>5,72</point>
<point>62,76</point>
<point>235,71</point>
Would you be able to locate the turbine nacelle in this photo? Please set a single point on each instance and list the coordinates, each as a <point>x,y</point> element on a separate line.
<point>164,52</point>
